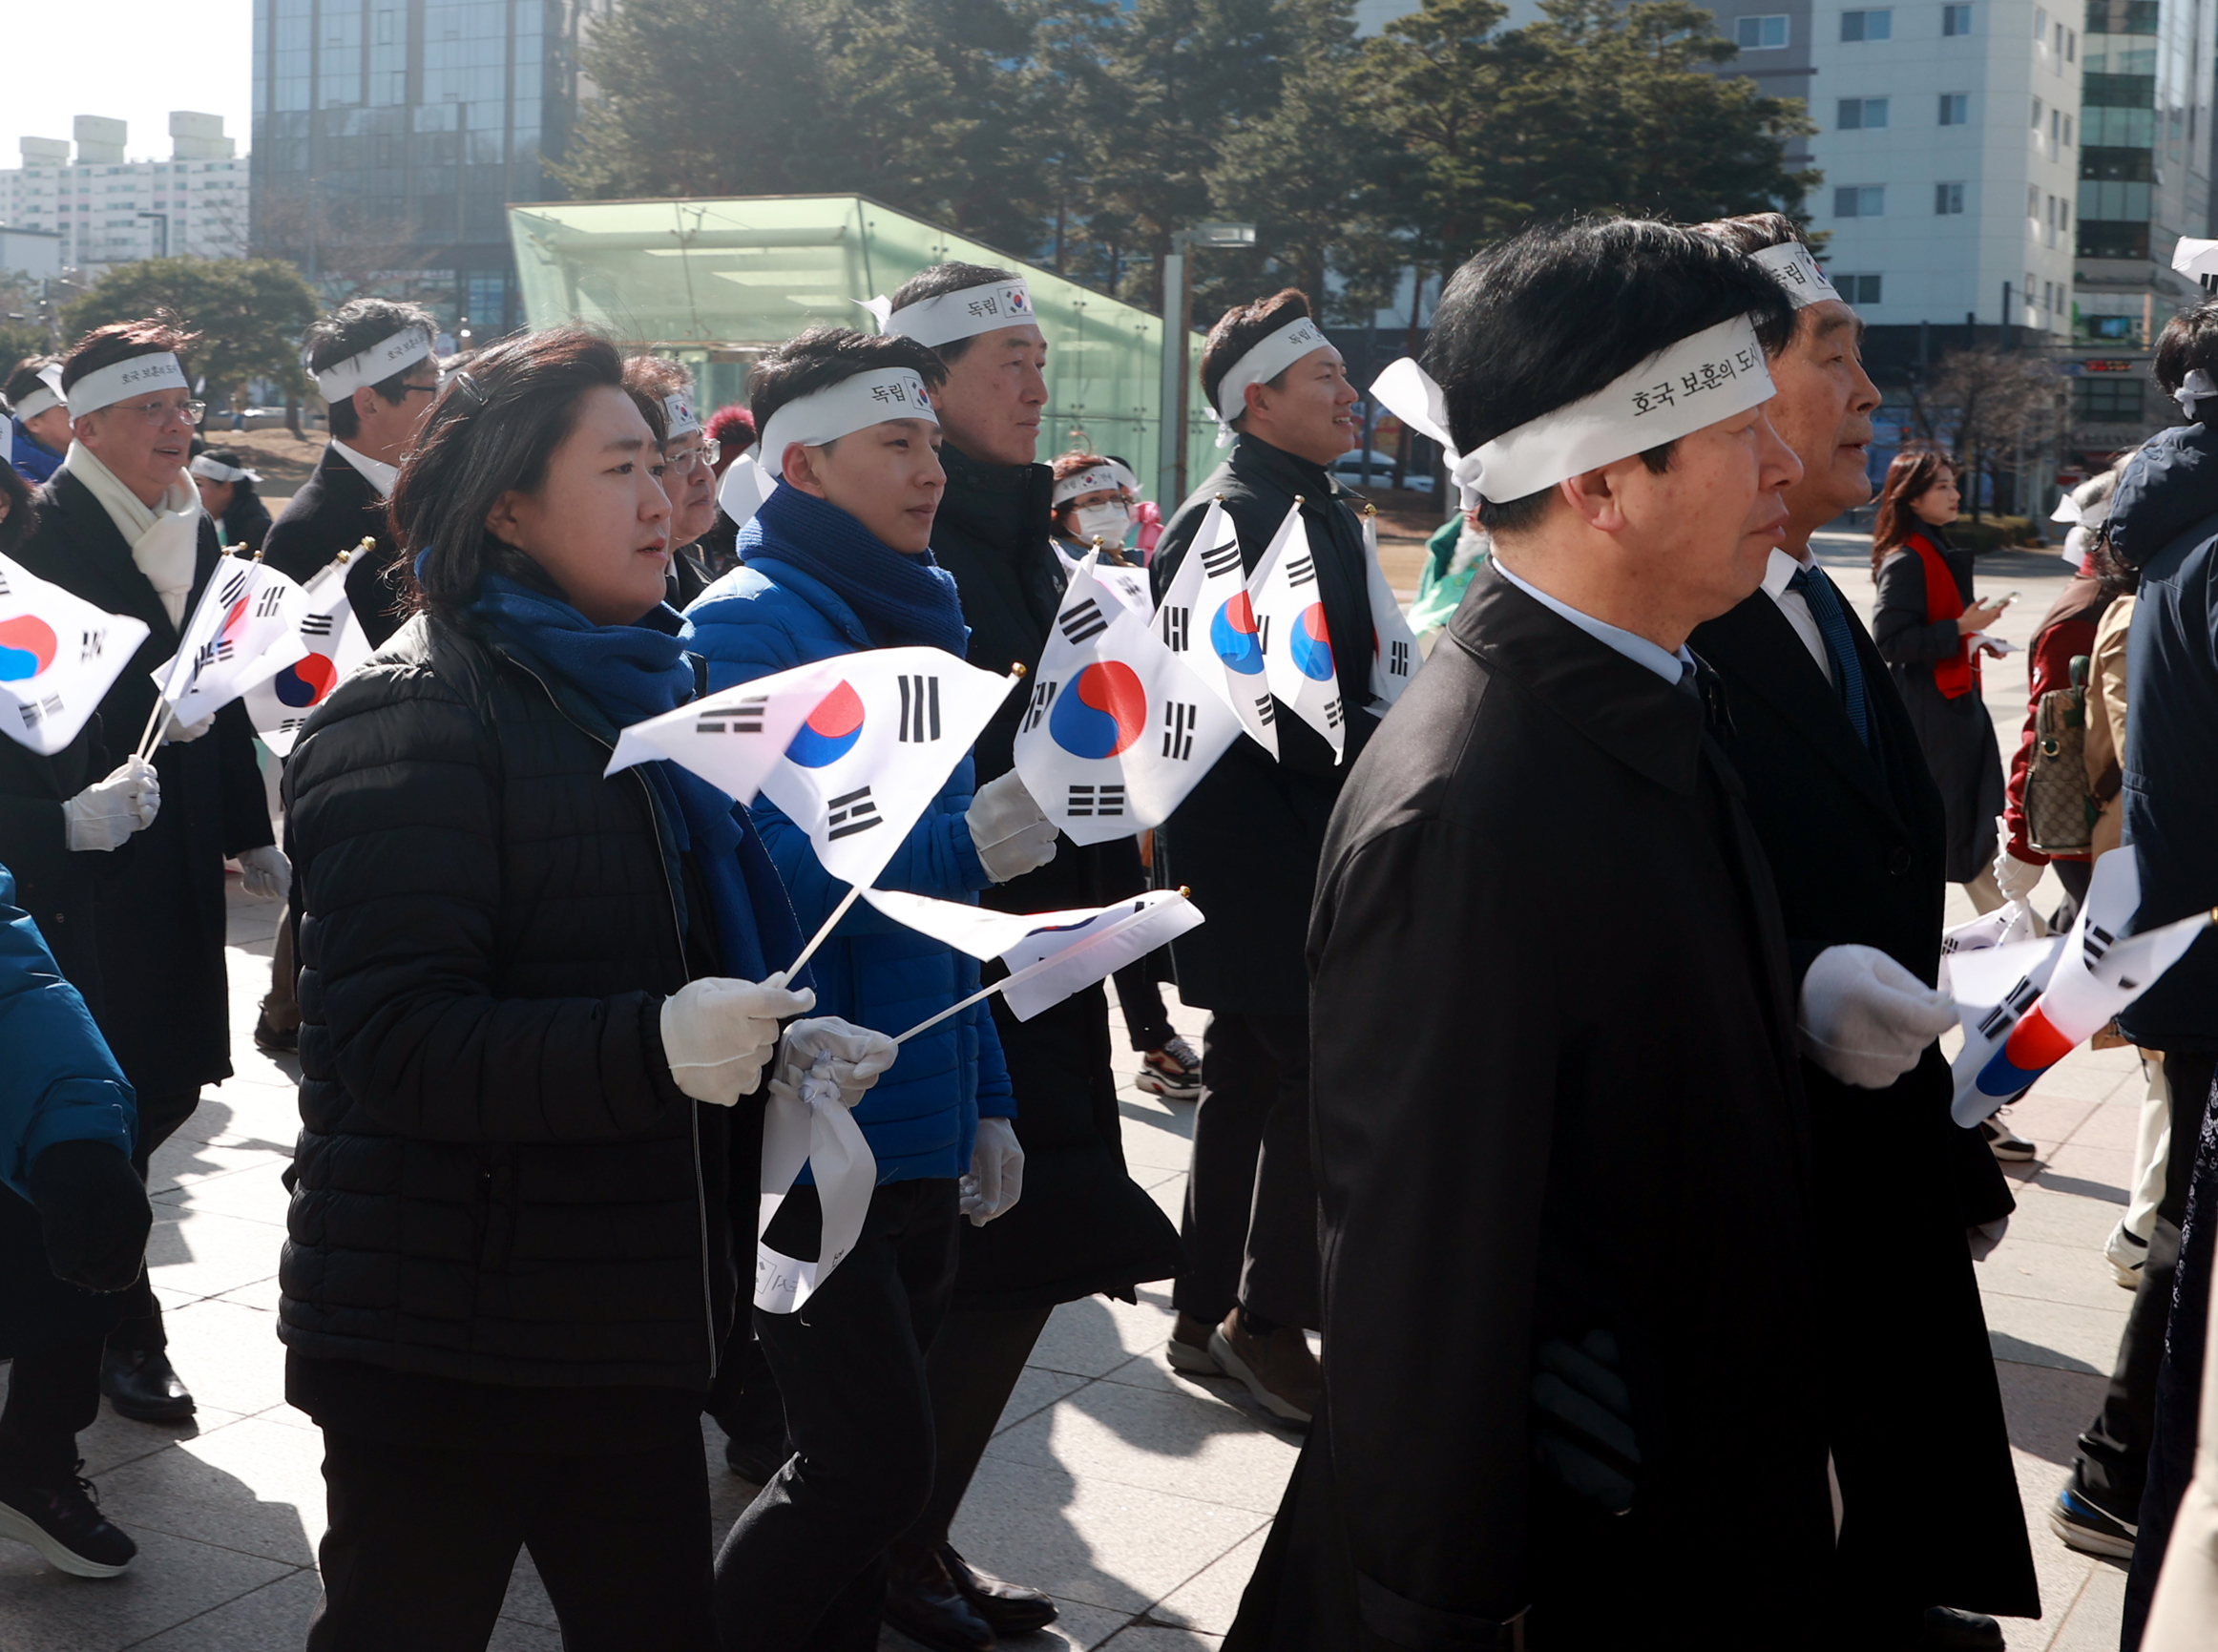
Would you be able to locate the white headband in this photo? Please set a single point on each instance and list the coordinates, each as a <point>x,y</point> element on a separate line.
<point>842,409</point>
<point>119,381</point>
<point>1266,358</point>
<point>215,470</point>
<point>48,394</point>
<point>956,315</point>
<point>1093,480</point>
<point>2194,389</point>
<point>679,418</point>
<point>1704,378</point>
<point>1127,477</point>
<point>1791,266</point>
<point>373,365</point>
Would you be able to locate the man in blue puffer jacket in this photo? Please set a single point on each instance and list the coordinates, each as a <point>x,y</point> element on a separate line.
<point>837,561</point>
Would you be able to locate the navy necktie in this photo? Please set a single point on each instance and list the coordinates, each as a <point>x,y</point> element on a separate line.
<point>1840,645</point>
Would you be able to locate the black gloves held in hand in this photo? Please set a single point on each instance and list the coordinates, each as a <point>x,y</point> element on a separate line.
<point>1582,1419</point>
<point>92,1208</point>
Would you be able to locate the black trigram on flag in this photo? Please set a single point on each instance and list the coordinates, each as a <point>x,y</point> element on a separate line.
<point>1397,659</point>
<point>1082,622</point>
<point>1263,633</point>
<point>2096,942</point>
<point>1266,709</point>
<point>919,709</point>
<point>2001,1016</point>
<point>209,653</point>
<point>1043,696</point>
<point>95,643</point>
<point>269,601</point>
<point>1332,712</point>
<point>1220,559</point>
<point>744,718</point>
<point>31,717</point>
<point>1178,728</point>
<point>1301,570</point>
<point>1090,801</point>
<point>1174,628</point>
<point>316,625</point>
<point>853,812</point>
<point>4,591</point>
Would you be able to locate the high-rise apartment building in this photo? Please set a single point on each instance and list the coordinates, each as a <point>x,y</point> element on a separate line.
<point>105,209</point>
<point>390,137</point>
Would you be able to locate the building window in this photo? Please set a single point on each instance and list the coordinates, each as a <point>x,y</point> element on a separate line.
<point>1858,289</point>
<point>1860,201</point>
<point>1861,113</point>
<point>1761,33</point>
<point>2037,109</point>
<point>1867,25</point>
<point>2039,25</point>
<point>2033,202</point>
<point>1956,20</point>
<point>1948,199</point>
<point>1955,108</point>
<point>2113,237</point>
<point>2105,399</point>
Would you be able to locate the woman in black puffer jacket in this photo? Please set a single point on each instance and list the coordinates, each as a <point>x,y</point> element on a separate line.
<point>517,1233</point>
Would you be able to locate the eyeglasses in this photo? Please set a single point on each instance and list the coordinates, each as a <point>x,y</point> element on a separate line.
<point>160,413</point>
<point>408,390</point>
<point>707,453</point>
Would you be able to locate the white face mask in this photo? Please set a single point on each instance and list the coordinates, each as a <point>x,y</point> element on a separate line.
<point>1107,523</point>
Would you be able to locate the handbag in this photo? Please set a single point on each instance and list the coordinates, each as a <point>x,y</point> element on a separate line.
<point>2059,810</point>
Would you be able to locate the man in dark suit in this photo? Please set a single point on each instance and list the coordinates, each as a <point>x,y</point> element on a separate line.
<point>120,525</point>
<point>1853,827</point>
<point>373,361</point>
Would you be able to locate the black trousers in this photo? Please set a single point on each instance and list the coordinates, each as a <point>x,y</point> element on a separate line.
<point>2113,1463</point>
<point>423,1539</point>
<point>805,1566</point>
<point>1250,1229</point>
<point>1145,1019</point>
<point>973,1368</point>
<point>52,1397</point>
<point>161,1112</point>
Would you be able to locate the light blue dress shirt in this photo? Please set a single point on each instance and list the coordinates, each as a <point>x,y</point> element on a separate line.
<point>1669,666</point>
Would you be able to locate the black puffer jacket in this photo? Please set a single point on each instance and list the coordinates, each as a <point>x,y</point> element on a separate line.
<point>497,1179</point>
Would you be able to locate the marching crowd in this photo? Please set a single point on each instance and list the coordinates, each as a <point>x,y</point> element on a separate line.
<point>1547,1118</point>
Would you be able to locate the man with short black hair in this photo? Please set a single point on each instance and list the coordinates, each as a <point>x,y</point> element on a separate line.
<point>1569,1310</point>
<point>1245,841</point>
<point>39,425</point>
<point>373,361</point>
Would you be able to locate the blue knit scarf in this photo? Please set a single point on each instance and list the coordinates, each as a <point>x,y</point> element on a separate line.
<point>631,672</point>
<point>902,597</point>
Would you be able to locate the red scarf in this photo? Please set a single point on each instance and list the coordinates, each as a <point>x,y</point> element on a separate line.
<point>1958,677</point>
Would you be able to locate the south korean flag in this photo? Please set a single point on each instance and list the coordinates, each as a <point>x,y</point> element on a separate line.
<point>1118,729</point>
<point>1207,620</point>
<point>58,656</point>
<point>1393,647</point>
<point>1290,622</point>
<point>336,644</point>
<point>243,630</point>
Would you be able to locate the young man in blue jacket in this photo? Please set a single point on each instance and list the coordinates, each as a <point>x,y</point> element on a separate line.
<point>837,561</point>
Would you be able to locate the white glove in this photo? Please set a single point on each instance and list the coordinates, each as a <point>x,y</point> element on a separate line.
<point>1865,1018</point>
<point>1008,832</point>
<point>1984,1238</point>
<point>185,733</point>
<point>718,1032</point>
<point>849,1056</point>
<point>2013,876</point>
<point>267,874</point>
<point>107,811</point>
<point>996,1179</point>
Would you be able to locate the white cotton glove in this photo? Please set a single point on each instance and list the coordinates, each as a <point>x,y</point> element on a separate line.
<point>996,1179</point>
<point>1865,1018</point>
<point>849,1056</point>
<point>267,874</point>
<point>2014,878</point>
<point>1008,832</point>
<point>105,814</point>
<point>718,1033</point>
<point>185,733</point>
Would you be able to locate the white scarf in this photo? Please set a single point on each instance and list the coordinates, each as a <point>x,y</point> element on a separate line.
<point>164,540</point>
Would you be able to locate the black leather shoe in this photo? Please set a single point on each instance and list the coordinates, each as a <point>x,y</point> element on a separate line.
<point>924,1603</point>
<point>141,1384</point>
<point>1007,1608</point>
<point>1959,1631</point>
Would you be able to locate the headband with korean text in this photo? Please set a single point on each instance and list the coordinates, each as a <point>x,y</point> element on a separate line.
<point>842,409</point>
<point>373,365</point>
<point>48,395</point>
<point>1795,270</point>
<point>1094,479</point>
<point>215,470</point>
<point>956,315</point>
<point>1266,359</point>
<point>120,381</point>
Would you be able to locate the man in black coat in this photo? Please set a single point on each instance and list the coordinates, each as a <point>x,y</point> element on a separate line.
<point>1245,842</point>
<point>1839,795</point>
<point>120,525</point>
<point>1570,1320</point>
<point>1084,1227</point>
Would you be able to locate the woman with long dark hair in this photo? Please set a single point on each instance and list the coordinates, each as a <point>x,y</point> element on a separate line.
<point>534,1042</point>
<point>1926,620</point>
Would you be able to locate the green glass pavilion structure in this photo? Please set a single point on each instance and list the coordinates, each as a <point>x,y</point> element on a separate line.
<point>713,283</point>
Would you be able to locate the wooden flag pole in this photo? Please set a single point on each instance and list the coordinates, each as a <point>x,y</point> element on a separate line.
<point>821,935</point>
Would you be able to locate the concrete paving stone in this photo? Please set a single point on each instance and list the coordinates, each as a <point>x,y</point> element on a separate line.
<point>1075,1625</point>
<point>2086,1082</point>
<point>188,1159</point>
<point>512,1635</point>
<point>2047,1408</point>
<point>2070,1273</point>
<point>1093,1336</point>
<point>254,1193</point>
<point>260,1294</point>
<point>2104,1172</point>
<point>203,1253</point>
<point>246,1487</point>
<point>526,1601</point>
<point>293,1419</point>
<point>1211,1601</point>
<point>1115,1546</point>
<point>2091,1624</point>
<point>1170,1198</point>
<point>1152,1638</point>
<point>173,1580</point>
<point>2048,1120</point>
<point>1154,1135</point>
<point>2053,1333</point>
<point>1036,1389</point>
<point>2061,1572</point>
<point>271,1619</point>
<point>111,1441</point>
<point>2061,1218</point>
<point>2113,1124</point>
<point>1163,1441</point>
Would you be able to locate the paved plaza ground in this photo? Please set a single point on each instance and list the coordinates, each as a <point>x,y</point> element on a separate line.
<point>1140,1498</point>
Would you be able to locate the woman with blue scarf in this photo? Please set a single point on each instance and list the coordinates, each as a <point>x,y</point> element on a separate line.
<point>539,1009</point>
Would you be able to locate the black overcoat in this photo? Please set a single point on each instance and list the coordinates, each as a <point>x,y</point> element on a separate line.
<point>1083,1224</point>
<point>1855,839</point>
<point>1555,1091</point>
<point>1247,839</point>
<point>333,510</point>
<point>165,1008</point>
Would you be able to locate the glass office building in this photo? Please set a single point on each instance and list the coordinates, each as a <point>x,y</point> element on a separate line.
<point>713,283</point>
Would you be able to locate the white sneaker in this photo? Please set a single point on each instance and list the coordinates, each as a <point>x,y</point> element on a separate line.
<point>2125,1252</point>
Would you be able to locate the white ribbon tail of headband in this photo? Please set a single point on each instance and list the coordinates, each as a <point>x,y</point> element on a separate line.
<point>745,484</point>
<point>881,309</point>
<point>40,400</point>
<point>2067,510</point>
<point>2196,386</point>
<point>1413,396</point>
<point>815,1129</point>
<point>215,470</point>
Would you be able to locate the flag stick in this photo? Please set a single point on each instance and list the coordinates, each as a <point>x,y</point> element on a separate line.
<point>148,737</point>
<point>821,935</point>
<point>978,997</point>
